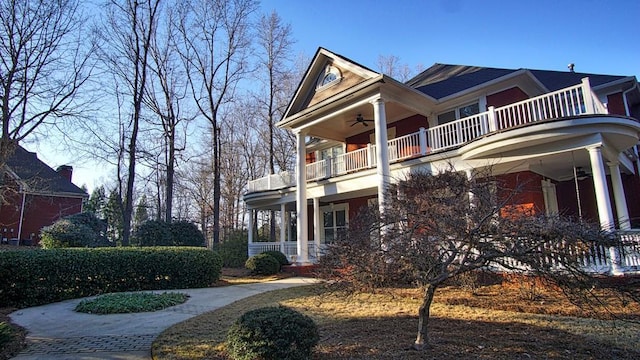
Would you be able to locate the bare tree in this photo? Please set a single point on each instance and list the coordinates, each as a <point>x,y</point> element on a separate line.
<point>214,47</point>
<point>391,66</point>
<point>128,34</point>
<point>274,44</point>
<point>44,63</point>
<point>165,96</point>
<point>439,226</point>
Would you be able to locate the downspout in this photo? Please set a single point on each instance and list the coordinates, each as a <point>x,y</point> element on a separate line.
<point>24,196</point>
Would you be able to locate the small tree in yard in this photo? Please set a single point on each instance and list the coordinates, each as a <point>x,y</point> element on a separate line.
<point>438,226</point>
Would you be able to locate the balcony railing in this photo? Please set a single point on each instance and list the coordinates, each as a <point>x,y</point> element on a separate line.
<point>572,101</point>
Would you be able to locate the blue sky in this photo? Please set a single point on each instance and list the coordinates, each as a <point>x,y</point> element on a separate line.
<point>599,36</point>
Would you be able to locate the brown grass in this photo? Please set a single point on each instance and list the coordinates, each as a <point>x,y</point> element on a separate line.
<point>496,323</point>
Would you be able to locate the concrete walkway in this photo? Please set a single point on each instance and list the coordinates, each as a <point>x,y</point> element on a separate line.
<point>57,332</point>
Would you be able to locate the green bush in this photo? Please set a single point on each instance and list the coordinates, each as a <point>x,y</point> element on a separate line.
<point>78,230</point>
<point>6,334</point>
<point>282,258</point>
<point>152,233</point>
<point>263,264</point>
<point>185,233</point>
<point>89,219</point>
<point>272,333</point>
<point>233,249</point>
<point>35,277</point>
<point>65,233</point>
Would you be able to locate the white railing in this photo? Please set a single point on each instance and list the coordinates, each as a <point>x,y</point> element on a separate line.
<point>405,147</point>
<point>317,170</point>
<point>289,248</point>
<point>274,181</point>
<point>572,101</point>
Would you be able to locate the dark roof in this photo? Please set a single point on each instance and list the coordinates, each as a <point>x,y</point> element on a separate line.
<point>38,176</point>
<point>442,80</point>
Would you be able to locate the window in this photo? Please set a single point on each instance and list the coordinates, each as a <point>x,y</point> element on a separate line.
<point>459,113</point>
<point>330,76</point>
<point>334,221</point>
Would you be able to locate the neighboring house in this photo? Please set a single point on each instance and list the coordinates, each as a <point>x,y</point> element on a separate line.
<point>35,196</point>
<point>572,137</point>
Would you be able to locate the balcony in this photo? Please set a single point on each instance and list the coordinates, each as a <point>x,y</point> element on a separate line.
<point>568,102</point>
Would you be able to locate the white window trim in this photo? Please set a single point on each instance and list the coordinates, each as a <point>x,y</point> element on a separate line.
<point>333,208</point>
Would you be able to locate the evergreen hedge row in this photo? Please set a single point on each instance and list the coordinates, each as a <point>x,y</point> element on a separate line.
<point>40,276</point>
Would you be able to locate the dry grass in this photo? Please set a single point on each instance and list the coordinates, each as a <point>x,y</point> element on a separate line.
<point>383,326</point>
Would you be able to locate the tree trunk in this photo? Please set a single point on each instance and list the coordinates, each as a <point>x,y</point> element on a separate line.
<point>422,340</point>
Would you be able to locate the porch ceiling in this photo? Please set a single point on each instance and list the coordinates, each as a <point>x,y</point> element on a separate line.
<point>340,125</point>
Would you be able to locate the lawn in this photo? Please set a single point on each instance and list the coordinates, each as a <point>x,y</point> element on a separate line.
<point>494,322</point>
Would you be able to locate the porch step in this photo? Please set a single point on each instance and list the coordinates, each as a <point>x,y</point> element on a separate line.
<point>300,270</point>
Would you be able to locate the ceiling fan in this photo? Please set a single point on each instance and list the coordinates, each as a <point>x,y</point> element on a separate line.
<point>580,174</point>
<point>360,119</point>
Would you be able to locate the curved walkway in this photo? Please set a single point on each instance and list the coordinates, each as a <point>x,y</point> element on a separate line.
<point>55,331</point>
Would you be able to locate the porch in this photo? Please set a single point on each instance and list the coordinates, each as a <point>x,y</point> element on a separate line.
<point>570,102</point>
<point>623,259</point>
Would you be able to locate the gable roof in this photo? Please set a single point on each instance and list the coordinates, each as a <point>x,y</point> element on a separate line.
<point>38,176</point>
<point>442,80</point>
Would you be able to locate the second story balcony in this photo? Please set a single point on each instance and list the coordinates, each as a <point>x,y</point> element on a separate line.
<point>575,102</point>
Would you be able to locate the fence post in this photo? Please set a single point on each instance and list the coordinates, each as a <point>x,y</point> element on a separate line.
<point>328,163</point>
<point>493,122</point>
<point>422,137</point>
<point>588,96</point>
<point>369,156</point>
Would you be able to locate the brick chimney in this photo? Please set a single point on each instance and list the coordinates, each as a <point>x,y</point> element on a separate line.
<point>66,171</point>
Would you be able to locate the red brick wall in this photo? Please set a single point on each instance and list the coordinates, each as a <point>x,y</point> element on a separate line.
<point>39,211</point>
<point>506,97</point>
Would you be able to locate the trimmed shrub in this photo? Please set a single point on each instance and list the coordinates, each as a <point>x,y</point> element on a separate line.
<point>272,333</point>
<point>78,230</point>
<point>65,233</point>
<point>233,249</point>
<point>185,233</point>
<point>36,277</point>
<point>152,233</point>
<point>282,258</point>
<point>263,264</point>
<point>89,219</point>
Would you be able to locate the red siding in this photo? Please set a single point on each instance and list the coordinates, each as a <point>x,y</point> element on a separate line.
<point>39,211</point>
<point>506,97</point>
<point>403,127</point>
<point>615,104</point>
<point>528,196</point>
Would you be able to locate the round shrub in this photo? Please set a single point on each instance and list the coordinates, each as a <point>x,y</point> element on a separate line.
<point>263,264</point>
<point>272,333</point>
<point>66,233</point>
<point>152,233</point>
<point>185,233</point>
<point>282,258</point>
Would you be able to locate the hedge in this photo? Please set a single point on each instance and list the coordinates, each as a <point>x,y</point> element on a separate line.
<point>39,276</point>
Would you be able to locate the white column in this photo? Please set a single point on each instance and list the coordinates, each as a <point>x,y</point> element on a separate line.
<point>600,186</point>
<point>618,196</point>
<point>250,232</point>
<point>283,227</point>
<point>301,198</point>
<point>603,202</point>
<point>317,225</point>
<point>382,151</point>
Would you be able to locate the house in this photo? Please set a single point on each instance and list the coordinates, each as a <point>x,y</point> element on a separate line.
<point>34,196</point>
<point>572,136</point>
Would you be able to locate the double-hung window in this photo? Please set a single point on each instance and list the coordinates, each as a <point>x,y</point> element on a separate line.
<point>334,221</point>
